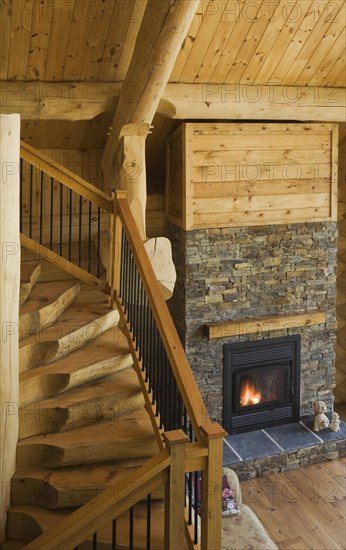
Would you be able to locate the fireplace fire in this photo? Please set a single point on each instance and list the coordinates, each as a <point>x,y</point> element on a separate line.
<point>261,383</point>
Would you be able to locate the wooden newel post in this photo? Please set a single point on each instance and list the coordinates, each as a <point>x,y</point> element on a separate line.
<point>175,490</point>
<point>9,301</point>
<point>212,488</point>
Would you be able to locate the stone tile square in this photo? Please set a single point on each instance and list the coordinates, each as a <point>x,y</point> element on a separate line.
<point>327,434</point>
<point>229,457</point>
<point>292,437</point>
<point>254,444</point>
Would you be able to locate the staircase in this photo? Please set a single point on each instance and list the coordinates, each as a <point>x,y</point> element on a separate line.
<point>116,450</point>
<point>83,424</point>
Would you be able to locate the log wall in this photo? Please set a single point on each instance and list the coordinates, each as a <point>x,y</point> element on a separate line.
<point>229,175</point>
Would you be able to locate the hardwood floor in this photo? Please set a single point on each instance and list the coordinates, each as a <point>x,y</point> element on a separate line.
<point>302,509</point>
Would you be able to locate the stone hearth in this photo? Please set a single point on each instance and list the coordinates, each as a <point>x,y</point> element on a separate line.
<point>282,448</point>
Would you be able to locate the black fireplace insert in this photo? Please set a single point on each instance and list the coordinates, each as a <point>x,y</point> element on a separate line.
<point>261,383</point>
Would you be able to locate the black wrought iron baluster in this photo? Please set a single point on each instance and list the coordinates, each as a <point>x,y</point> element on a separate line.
<point>70,226</point>
<point>131,529</point>
<point>198,496</point>
<point>89,236</point>
<point>98,241</point>
<point>136,306</point>
<point>148,522</point>
<point>114,534</point>
<point>41,206</point>
<point>159,382</point>
<point>61,215</point>
<point>162,401</point>
<point>126,276</point>
<point>185,423</point>
<point>95,541</point>
<point>51,213</point>
<point>120,258</point>
<point>132,293</point>
<point>30,199</point>
<point>156,364</point>
<point>140,334</point>
<point>130,288</point>
<point>169,396</point>
<point>80,230</point>
<point>189,496</point>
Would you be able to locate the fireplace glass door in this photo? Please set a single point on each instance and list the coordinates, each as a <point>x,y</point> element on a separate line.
<point>261,383</point>
<point>260,386</point>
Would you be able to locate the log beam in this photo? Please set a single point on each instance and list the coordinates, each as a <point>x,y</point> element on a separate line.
<point>9,301</point>
<point>163,29</point>
<point>38,100</point>
<point>84,100</point>
<point>252,101</point>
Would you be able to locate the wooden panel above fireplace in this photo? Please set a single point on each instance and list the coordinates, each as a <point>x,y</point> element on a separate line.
<point>241,174</point>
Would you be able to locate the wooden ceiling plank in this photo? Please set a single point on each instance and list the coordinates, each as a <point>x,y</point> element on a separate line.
<point>267,25</point>
<point>188,42</point>
<point>337,73</point>
<point>200,45</point>
<point>325,45</point>
<point>21,20</point>
<point>325,24</point>
<point>235,40</point>
<point>61,25</point>
<point>96,40</point>
<point>79,31</point>
<point>39,41</point>
<point>336,52</point>
<point>286,35</point>
<point>130,39</point>
<point>163,29</point>
<point>298,42</point>
<point>5,32</point>
<point>221,36</point>
<point>125,15</point>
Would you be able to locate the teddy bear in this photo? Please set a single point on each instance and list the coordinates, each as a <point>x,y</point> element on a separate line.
<point>335,423</point>
<point>321,421</point>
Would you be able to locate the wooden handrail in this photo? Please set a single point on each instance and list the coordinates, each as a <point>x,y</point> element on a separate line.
<point>65,176</point>
<point>176,355</point>
<point>114,501</point>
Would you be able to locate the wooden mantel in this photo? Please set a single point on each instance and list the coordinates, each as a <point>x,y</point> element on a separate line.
<point>270,323</point>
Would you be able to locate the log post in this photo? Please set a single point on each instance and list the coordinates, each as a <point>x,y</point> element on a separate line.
<point>9,302</point>
<point>175,490</point>
<point>212,487</point>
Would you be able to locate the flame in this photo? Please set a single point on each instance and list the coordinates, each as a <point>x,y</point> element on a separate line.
<point>249,394</point>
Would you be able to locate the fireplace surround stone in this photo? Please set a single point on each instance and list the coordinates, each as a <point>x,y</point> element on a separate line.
<point>246,272</point>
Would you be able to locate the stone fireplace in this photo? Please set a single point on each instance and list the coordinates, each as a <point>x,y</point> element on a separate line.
<point>247,273</point>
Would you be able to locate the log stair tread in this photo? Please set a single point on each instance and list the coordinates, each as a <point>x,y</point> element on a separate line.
<point>44,294</point>
<point>130,437</point>
<point>107,354</point>
<point>28,522</point>
<point>29,274</point>
<point>78,315</point>
<point>70,486</point>
<point>77,326</point>
<point>111,397</point>
<point>43,309</point>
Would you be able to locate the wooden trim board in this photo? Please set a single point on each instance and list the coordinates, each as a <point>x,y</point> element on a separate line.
<point>268,323</point>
